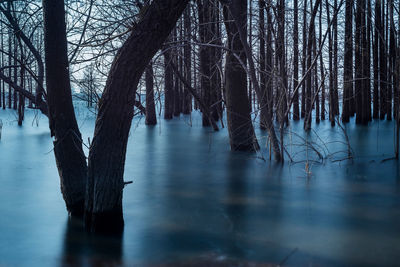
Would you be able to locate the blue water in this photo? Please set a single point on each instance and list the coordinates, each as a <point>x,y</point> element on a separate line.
<point>193,202</point>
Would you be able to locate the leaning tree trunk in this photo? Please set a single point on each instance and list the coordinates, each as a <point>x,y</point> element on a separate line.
<point>71,161</point>
<point>103,208</point>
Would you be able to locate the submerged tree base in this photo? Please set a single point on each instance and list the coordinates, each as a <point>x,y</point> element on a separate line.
<point>76,210</point>
<point>107,222</point>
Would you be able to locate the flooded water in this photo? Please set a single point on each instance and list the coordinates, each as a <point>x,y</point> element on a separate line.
<point>193,202</point>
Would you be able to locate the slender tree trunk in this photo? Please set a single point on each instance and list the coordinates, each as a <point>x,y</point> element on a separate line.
<point>348,61</point>
<point>151,118</point>
<point>335,60</point>
<point>364,66</point>
<point>282,85</point>
<point>311,36</point>
<point>322,67</point>
<point>382,62</point>
<point>304,60</point>
<point>263,70</point>
<point>368,59</point>
<point>295,60</point>
<point>358,69</point>
<point>21,99</point>
<point>168,85</point>
<point>204,11</point>
<point>392,61</point>
<point>376,100</point>
<point>187,98</point>
<point>269,112</point>
<point>177,98</point>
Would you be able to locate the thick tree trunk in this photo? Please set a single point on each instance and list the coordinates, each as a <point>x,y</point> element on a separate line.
<point>107,154</point>
<point>70,159</point>
<point>240,126</point>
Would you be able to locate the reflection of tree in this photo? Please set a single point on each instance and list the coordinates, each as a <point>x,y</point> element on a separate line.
<point>82,248</point>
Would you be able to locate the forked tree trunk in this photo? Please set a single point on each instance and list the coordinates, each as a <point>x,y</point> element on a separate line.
<point>103,210</point>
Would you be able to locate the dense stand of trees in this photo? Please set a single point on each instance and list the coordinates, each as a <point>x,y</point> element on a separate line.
<point>260,60</point>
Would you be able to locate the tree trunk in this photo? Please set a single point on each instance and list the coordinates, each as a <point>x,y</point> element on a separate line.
<point>376,101</point>
<point>322,67</point>
<point>151,118</point>
<point>240,127</point>
<point>311,33</point>
<point>187,98</point>
<point>103,209</point>
<point>70,159</point>
<point>295,61</point>
<point>168,85</point>
<point>382,61</point>
<point>348,61</point>
<point>304,59</point>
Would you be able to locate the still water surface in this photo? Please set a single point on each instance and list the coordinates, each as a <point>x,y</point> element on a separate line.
<point>194,202</point>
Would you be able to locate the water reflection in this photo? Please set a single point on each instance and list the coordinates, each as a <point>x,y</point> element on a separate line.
<point>85,249</point>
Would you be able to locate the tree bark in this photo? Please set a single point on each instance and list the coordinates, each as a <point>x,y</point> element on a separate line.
<point>240,126</point>
<point>348,61</point>
<point>70,159</point>
<point>103,209</point>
